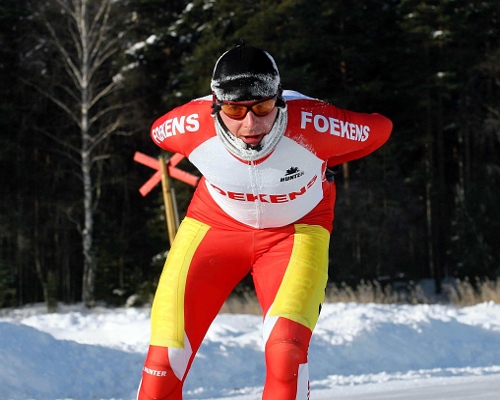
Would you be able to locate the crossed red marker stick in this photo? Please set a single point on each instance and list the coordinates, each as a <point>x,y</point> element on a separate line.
<point>164,170</point>
<point>173,172</point>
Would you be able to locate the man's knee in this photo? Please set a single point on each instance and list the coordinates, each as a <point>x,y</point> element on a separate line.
<point>286,349</point>
<point>159,388</point>
<point>158,379</point>
<point>284,357</point>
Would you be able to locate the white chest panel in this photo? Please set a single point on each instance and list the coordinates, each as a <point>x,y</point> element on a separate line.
<point>276,192</point>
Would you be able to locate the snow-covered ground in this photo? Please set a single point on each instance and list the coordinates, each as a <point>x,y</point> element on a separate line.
<point>358,351</point>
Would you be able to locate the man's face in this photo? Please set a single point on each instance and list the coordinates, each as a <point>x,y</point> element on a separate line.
<point>251,128</point>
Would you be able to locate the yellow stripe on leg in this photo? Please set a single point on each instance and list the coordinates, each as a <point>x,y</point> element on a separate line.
<point>303,287</point>
<point>167,313</point>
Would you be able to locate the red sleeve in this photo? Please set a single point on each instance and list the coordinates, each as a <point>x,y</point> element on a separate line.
<point>337,135</point>
<point>184,128</point>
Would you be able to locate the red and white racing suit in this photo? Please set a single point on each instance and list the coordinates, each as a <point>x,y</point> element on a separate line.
<point>271,217</point>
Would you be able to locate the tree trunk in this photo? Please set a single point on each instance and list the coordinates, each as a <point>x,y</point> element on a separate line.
<point>90,263</point>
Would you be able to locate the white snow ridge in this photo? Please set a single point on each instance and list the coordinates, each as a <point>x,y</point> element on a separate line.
<point>358,351</point>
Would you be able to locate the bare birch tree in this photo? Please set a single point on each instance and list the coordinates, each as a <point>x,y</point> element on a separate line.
<point>86,42</point>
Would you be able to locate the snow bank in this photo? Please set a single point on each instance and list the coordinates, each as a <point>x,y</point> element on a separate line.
<point>84,355</point>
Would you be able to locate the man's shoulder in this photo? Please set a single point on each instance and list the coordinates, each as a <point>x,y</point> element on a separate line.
<point>200,106</point>
<point>294,95</point>
<point>202,99</point>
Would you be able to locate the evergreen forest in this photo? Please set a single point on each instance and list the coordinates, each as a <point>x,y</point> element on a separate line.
<point>83,80</point>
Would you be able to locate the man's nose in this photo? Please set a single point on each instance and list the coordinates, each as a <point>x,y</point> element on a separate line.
<point>250,119</point>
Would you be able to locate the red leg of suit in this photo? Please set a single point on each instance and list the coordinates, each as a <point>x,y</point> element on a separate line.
<point>287,341</point>
<point>212,273</point>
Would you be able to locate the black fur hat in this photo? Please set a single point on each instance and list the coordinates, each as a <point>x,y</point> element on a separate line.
<point>245,73</point>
